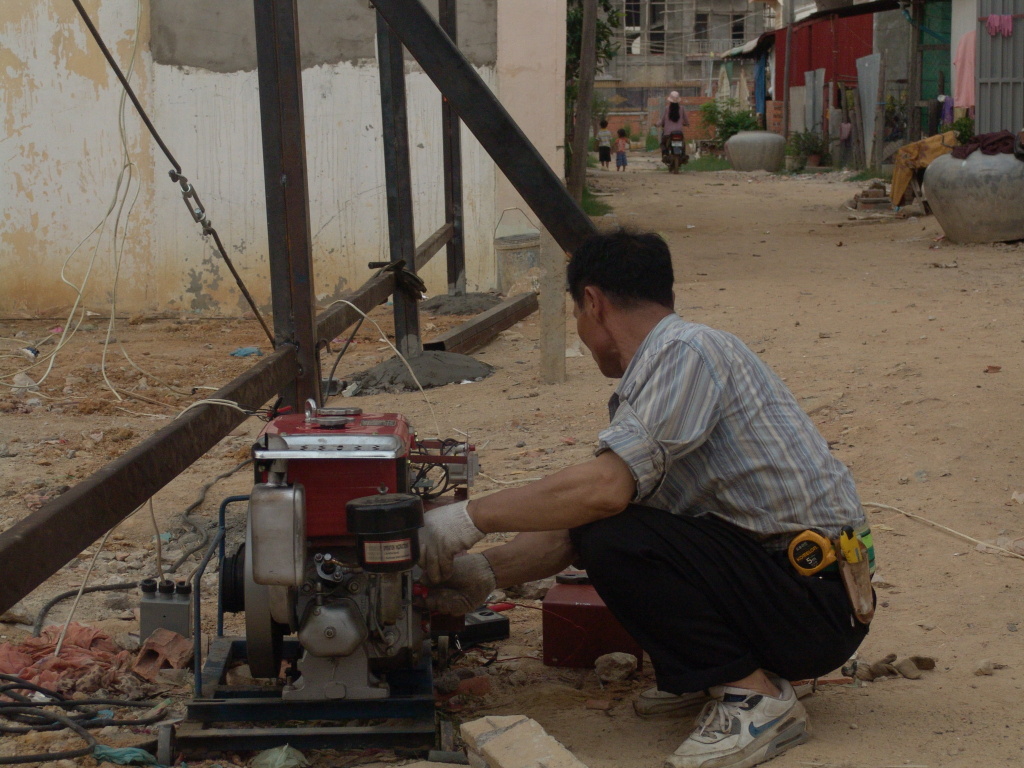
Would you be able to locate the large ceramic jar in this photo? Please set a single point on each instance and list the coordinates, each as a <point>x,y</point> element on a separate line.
<point>756,151</point>
<point>977,200</point>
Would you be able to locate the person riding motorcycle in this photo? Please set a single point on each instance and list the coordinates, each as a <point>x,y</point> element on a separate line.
<point>673,119</point>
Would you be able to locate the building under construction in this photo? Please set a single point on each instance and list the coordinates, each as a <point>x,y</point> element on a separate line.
<point>666,45</point>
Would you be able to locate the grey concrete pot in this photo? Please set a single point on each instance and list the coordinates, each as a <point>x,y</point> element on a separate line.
<point>977,200</point>
<point>756,151</point>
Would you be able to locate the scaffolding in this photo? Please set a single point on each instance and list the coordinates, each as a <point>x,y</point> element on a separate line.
<point>676,42</point>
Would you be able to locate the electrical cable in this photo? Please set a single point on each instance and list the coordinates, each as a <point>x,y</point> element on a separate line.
<point>159,543</point>
<point>34,716</point>
<point>330,376</point>
<point>37,626</point>
<point>188,192</point>
<point>384,338</point>
<point>56,717</point>
<point>85,581</point>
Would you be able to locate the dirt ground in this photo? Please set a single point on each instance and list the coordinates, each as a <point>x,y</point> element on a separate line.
<point>906,351</point>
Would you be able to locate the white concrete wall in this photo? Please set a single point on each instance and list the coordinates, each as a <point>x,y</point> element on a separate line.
<point>531,81</point>
<point>964,18</point>
<point>62,155</point>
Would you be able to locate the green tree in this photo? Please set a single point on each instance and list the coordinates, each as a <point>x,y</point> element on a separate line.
<point>608,21</point>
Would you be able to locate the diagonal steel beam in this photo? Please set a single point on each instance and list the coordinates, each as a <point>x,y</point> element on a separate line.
<point>35,548</point>
<point>484,115</point>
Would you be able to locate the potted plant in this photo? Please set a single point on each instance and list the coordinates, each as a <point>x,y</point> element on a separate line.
<point>810,146</point>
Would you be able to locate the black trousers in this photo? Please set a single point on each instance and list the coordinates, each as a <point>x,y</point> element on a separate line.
<point>709,604</point>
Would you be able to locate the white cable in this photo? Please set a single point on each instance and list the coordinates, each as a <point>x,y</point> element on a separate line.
<point>81,590</point>
<point>126,166</point>
<point>941,527</point>
<point>215,401</point>
<point>384,338</point>
<point>159,543</point>
<point>508,482</point>
<point>71,326</point>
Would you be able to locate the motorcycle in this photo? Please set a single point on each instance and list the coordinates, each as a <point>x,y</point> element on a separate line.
<point>675,151</point>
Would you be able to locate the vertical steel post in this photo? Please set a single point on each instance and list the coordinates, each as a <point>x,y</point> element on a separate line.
<point>284,172</point>
<point>452,130</point>
<point>398,181</point>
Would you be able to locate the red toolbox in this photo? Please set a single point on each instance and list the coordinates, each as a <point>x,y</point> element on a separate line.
<point>578,628</point>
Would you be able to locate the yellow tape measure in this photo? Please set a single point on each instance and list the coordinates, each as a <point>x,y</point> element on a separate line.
<point>811,552</point>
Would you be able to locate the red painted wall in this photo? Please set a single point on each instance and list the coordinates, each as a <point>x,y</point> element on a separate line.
<point>832,44</point>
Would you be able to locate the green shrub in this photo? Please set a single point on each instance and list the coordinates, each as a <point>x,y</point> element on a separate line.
<point>964,127</point>
<point>806,143</point>
<point>653,142</point>
<point>726,117</point>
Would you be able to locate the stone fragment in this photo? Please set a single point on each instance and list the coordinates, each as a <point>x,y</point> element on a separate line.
<point>984,667</point>
<point>615,666</point>
<point>908,669</point>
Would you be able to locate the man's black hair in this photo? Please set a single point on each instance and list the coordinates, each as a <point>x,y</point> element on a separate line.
<point>629,267</point>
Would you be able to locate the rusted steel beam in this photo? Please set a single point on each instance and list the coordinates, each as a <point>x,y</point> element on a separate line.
<point>338,317</point>
<point>425,251</point>
<point>474,333</point>
<point>489,121</point>
<point>35,548</point>
<point>289,241</point>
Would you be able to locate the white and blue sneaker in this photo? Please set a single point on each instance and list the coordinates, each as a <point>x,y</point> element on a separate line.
<point>740,728</point>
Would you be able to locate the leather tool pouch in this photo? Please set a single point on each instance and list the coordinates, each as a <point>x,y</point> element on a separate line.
<point>856,577</point>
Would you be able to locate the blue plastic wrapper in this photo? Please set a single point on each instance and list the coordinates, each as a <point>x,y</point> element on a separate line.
<point>247,352</point>
<point>123,755</point>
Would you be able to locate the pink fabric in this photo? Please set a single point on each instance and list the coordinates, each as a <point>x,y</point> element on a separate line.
<point>963,63</point>
<point>1006,25</point>
<point>992,24</point>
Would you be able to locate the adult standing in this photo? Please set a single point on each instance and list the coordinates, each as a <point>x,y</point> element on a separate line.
<point>673,120</point>
<point>708,470</point>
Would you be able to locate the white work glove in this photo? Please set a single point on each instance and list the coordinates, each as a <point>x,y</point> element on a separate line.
<point>472,580</point>
<point>446,531</point>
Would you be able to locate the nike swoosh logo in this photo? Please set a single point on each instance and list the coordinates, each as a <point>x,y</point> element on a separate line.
<point>755,731</point>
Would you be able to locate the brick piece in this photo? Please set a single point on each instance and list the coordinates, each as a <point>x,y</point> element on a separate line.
<point>163,650</point>
<point>475,686</point>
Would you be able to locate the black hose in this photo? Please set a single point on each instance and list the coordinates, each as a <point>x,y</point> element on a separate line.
<point>56,717</point>
<point>37,628</point>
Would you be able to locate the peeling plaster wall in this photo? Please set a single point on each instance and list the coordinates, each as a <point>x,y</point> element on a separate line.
<point>62,155</point>
<point>531,79</point>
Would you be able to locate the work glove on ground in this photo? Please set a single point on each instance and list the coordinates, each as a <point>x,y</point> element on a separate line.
<point>446,531</point>
<point>472,580</point>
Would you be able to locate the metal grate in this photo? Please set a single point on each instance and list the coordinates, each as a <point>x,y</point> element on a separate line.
<point>999,67</point>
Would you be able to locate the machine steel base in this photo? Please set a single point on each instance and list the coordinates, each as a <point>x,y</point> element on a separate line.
<point>252,717</point>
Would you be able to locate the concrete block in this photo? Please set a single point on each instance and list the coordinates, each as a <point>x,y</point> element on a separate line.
<point>476,732</point>
<point>527,745</point>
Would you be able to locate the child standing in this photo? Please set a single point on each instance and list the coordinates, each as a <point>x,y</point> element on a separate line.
<point>621,145</point>
<point>604,146</point>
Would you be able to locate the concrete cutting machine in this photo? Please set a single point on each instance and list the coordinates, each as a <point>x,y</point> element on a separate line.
<point>331,548</point>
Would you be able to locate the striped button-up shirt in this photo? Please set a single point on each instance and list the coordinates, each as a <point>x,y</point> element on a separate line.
<point>708,429</point>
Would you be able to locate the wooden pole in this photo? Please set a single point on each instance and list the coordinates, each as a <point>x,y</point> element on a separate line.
<point>552,310</point>
<point>787,68</point>
<point>859,151</point>
<point>584,97</point>
<point>878,148</point>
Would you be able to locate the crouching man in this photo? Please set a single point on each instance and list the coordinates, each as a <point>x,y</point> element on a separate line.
<point>682,519</point>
